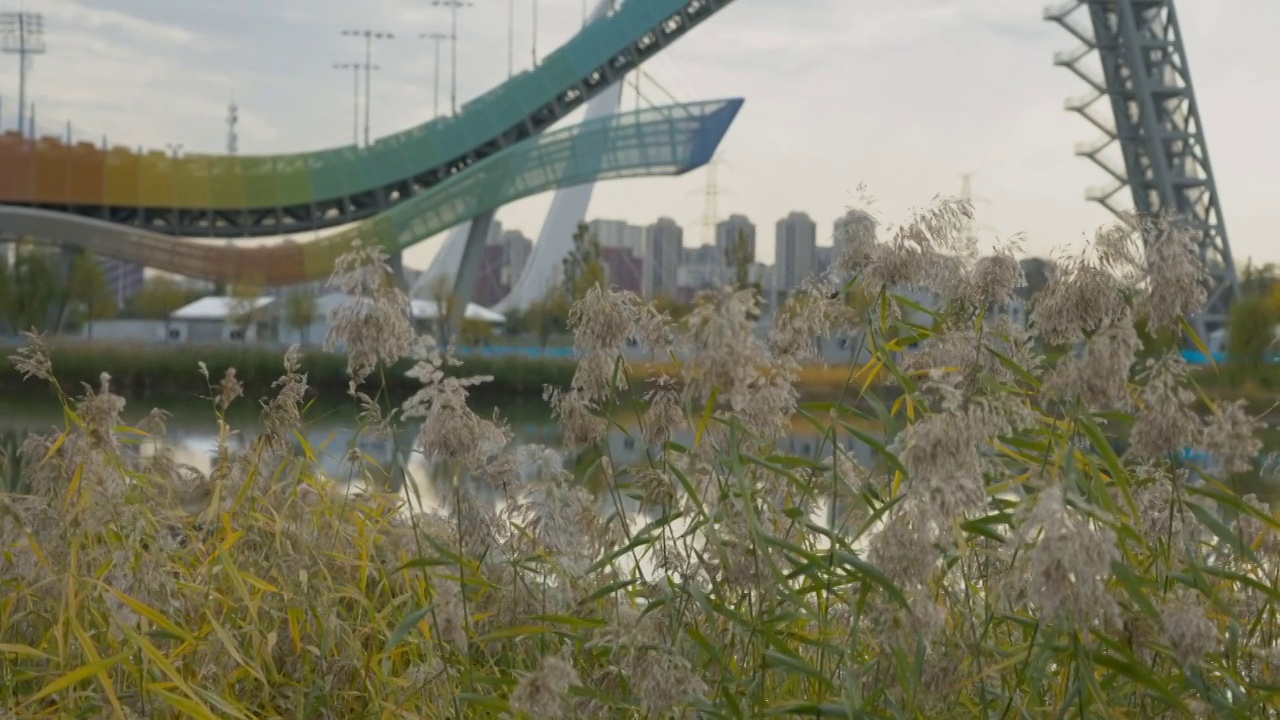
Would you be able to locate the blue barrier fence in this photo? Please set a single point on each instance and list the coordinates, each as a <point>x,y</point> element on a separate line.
<point>537,353</point>
<point>1195,357</point>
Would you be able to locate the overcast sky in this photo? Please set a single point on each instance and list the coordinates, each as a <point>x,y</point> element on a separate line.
<point>904,96</point>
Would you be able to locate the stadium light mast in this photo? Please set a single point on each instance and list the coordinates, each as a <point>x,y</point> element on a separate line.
<point>22,34</point>
<point>369,36</point>
<point>436,39</point>
<point>454,6</point>
<point>355,69</point>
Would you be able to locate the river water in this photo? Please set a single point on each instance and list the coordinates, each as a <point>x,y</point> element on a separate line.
<point>192,435</point>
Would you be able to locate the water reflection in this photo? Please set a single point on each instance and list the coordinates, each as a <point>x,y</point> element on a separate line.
<point>192,437</point>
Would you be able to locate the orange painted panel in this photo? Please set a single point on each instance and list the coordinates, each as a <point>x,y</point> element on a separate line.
<point>121,178</point>
<point>51,171</point>
<point>86,168</point>
<point>17,169</point>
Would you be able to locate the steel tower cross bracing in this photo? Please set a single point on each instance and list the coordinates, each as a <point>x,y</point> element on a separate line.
<point>1153,125</point>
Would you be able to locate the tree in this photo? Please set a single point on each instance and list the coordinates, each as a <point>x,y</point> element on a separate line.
<point>517,322</point>
<point>300,312</point>
<point>582,268</point>
<point>738,257</point>
<point>1250,334</point>
<point>28,288</point>
<point>672,307</point>
<point>1036,271</point>
<point>543,316</point>
<point>88,291</point>
<point>1259,281</point>
<point>243,309</point>
<point>159,297</point>
<point>475,332</point>
<point>440,292</point>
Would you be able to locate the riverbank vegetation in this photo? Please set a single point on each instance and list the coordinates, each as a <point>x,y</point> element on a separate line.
<point>166,373</point>
<point>171,372</point>
<point>996,556</point>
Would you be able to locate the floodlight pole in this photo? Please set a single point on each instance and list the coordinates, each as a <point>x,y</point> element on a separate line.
<point>22,34</point>
<point>355,69</point>
<point>369,36</point>
<point>453,6</point>
<point>436,39</point>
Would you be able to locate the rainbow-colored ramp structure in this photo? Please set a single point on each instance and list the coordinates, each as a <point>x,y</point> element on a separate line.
<point>656,141</point>
<point>215,196</point>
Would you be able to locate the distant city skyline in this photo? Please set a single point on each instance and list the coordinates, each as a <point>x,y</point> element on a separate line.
<point>905,97</point>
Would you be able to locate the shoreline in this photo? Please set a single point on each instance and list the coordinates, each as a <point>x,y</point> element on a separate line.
<point>171,372</point>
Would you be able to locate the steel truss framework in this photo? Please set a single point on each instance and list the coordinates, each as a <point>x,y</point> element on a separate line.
<point>662,141</point>
<point>1154,124</point>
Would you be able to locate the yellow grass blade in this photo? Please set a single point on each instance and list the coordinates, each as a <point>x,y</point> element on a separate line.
<point>151,614</point>
<point>25,650</point>
<point>55,447</point>
<point>91,650</point>
<point>75,677</point>
<point>195,708</point>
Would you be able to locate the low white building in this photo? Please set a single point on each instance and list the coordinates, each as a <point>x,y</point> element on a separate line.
<point>126,330</point>
<point>425,314</point>
<point>222,319</point>
<point>429,311</point>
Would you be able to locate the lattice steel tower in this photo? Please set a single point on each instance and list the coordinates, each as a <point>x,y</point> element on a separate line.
<point>1153,128</point>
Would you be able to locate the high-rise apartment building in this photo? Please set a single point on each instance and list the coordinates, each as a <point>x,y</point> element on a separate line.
<point>624,270</point>
<point>618,234</point>
<point>663,250</point>
<point>504,257</point>
<point>824,256</point>
<point>794,246</point>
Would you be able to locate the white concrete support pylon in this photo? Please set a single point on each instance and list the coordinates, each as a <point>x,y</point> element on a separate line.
<point>568,208</point>
<point>464,284</point>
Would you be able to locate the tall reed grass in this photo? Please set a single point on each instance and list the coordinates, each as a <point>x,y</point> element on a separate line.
<point>999,559</point>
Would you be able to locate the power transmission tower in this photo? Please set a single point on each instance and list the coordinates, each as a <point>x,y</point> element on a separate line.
<point>971,228</point>
<point>22,34</point>
<point>454,6</point>
<point>369,36</point>
<point>233,119</point>
<point>711,201</point>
